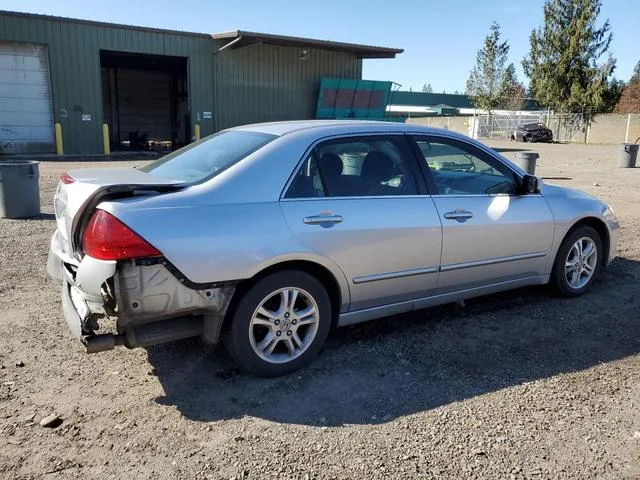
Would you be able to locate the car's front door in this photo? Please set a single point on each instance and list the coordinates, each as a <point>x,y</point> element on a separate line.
<point>491,233</point>
<point>359,201</point>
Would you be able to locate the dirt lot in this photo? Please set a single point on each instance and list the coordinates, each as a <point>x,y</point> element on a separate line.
<point>517,385</point>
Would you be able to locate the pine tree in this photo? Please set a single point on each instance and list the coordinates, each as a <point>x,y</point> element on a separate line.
<point>563,61</point>
<point>612,94</point>
<point>486,80</point>
<point>511,90</point>
<point>426,88</point>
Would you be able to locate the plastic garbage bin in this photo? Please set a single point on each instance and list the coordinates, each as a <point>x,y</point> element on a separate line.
<point>627,155</point>
<point>19,189</point>
<point>527,161</point>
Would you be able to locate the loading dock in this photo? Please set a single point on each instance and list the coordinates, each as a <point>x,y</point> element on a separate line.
<point>145,100</point>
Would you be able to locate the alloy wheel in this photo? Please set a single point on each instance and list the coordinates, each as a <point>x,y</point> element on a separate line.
<point>581,262</point>
<point>284,325</point>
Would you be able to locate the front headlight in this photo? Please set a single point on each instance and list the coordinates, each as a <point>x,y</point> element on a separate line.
<point>609,213</point>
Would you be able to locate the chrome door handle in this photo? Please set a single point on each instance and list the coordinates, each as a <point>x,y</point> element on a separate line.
<point>459,215</point>
<point>320,219</point>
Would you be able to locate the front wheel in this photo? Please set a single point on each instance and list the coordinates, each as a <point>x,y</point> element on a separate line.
<point>280,324</point>
<point>577,263</point>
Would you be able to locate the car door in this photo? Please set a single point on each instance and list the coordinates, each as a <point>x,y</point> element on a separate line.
<point>359,200</point>
<point>491,233</point>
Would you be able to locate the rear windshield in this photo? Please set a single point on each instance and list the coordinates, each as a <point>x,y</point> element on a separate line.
<point>204,159</point>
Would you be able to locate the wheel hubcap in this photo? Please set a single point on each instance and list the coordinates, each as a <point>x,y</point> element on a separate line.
<point>284,325</point>
<point>581,262</point>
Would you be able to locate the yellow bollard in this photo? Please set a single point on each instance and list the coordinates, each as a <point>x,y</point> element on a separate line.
<point>58,130</point>
<point>196,132</point>
<point>105,139</point>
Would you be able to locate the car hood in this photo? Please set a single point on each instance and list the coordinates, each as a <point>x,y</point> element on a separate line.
<point>556,191</point>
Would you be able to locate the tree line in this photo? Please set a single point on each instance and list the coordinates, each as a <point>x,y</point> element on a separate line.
<point>569,66</point>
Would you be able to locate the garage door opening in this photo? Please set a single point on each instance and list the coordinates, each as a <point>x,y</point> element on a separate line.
<point>145,101</point>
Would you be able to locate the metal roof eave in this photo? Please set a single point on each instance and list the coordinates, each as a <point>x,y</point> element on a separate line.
<point>240,38</point>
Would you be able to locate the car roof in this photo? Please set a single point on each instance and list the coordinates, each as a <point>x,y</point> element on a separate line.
<point>321,127</point>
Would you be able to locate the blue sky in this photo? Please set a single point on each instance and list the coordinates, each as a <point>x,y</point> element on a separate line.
<point>440,38</point>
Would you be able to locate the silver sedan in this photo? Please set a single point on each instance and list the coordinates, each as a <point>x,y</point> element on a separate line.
<point>266,236</point>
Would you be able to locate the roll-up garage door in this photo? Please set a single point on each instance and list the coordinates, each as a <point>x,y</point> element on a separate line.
<point>26,114</point>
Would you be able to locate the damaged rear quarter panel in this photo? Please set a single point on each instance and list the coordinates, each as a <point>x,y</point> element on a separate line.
<point>147,293</point>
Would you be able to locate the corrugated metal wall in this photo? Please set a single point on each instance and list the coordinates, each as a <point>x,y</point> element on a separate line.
<point>265,82</point>
<point>74,57</point>
<point>251,84</point>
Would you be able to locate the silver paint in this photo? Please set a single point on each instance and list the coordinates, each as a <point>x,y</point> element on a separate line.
<point>387,255</point>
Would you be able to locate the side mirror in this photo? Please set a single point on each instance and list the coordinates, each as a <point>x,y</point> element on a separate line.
<point>529,185</point>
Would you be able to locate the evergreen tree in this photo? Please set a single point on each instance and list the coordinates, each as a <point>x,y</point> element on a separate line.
<point>612,94</point>
<point>426,88</point>
<point>487,78</point>
<point>563,61</point>
<point>511,90</point>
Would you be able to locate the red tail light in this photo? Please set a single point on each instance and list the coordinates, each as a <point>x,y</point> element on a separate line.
<point>107,238</point>
<point>66,178</point>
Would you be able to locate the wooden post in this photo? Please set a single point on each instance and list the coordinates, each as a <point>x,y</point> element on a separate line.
<point>626,136</point>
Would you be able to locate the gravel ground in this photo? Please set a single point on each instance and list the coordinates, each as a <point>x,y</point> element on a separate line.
<point>517,385</point>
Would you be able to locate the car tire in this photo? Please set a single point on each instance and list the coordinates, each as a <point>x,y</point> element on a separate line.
<point>262,321</point>
<point>569,281</point>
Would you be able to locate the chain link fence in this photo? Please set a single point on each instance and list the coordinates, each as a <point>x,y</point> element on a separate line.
<point>570,127</point>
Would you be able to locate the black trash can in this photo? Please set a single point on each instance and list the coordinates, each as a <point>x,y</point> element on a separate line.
<point>19,189</point>
<point>627,155</point>
<point>527,161</point>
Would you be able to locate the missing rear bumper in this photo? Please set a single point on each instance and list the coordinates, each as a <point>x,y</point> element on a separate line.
<point>146,335</point>
<point>150,306</point>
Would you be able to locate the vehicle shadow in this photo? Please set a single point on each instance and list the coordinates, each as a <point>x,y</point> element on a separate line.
<point>406,364</point>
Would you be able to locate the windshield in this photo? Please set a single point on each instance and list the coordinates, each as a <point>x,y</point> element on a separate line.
<point>205,159</point>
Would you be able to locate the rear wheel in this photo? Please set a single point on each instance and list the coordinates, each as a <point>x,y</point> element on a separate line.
<point>578,262</point>
<point>280,323</point>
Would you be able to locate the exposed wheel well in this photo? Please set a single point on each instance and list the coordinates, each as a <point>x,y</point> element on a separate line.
<point>323,275</point>
<point>599,226</point>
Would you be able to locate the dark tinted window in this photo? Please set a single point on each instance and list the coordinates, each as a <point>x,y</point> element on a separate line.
<point>366,166</point>
<point>355,167</point>
<point>206,158</point>
<point>307,182</point>
<point>461,169</point>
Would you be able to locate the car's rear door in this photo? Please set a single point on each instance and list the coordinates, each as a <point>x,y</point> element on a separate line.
<point>359,200</point>
<point>491,233</point>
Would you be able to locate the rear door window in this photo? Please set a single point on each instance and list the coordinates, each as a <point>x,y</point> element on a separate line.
<point>357,167</point>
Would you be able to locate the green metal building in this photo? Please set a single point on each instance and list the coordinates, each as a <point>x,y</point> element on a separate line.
<point>152,86</point>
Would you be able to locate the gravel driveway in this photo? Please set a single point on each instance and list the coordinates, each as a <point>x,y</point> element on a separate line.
<point>517,385</point>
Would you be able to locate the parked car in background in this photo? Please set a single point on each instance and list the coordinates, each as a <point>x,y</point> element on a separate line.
<point>532,132</point>
<point>269,235</point>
